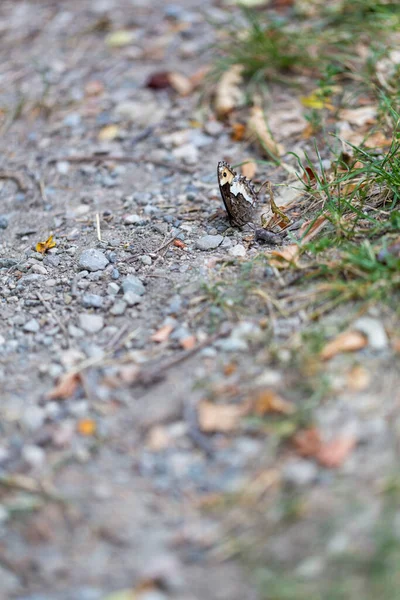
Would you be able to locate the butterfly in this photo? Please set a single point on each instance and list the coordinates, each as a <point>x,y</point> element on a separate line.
<point>238,193</point>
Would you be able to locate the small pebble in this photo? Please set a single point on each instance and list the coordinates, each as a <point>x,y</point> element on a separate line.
<point>133,284</point>
<point>33,455</point>
<point>92,301</point>
<point>113,289</point>
<point>146,260</point>
<point>118,308</point>
<point>131,298</point>
<point>32,326</point>
<point>209,242</point>
<point>3,222</point>
<point>239,250</point>
<point>91,323</point>
<point>92,260</point>
<point>374,330</point>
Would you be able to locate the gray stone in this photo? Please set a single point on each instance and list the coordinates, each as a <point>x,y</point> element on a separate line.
<point>133,284</point>
<point>33,455</point>
<point>33,417</point>
<point>299,472</point>
<point>374,330</point>
<point>113,289</point>
<point>209,242</point>
<point>32,326</point>
<point>92,301</point>
<point>146,260</point>
<point>91,323</point>
<point>239,250</point>
<point>92,260</point>
<point>134,220</point>
<point>131,298</point>
<point>3,222</point>
<point>118,308</point>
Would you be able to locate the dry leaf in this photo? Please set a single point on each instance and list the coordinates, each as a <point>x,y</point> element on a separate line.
<point>180,83</point>
<point>42,247</point>
<point>289,255</point>
<point>334,453</point>
<point>179,244</point>
<point>309,175</point>
<point>198,76</point>
<point>66,386</point>
<point>348,341</point>
<point>360,116</point>
<point>94,88</point>
<point>249,169</point>
<point>228,94</point>
<point>310,231</point>
<point>257,129</point>
<point>162,334</point>
<point>108,133</point>
<point>86,427</point>
<point>219,417</point>
<point>188,342</point>
<point>117,39</point>
<point>267,401</point>
<point>307,441</point>
<point>316,101</point>
<point>238,132</point>
<point>158,81</point>
<point>358,378</point>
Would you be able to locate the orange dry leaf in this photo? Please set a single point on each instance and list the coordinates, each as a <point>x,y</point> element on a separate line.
<point>348,341</point>
<point>312,228</point>
<point>228,94</point>
<point>334,453</point>
<point>289,255</point>
<point>188,343</point>
<point>266,401</point>
<point>162,334</point>
<point>307,441</point>
<point>249,169</point>
<point>179,244</point>
<point>42,247</point>
<point>86,427</point>
<point>238,132</point>
<point>219,417</point>
<point>66,386</point>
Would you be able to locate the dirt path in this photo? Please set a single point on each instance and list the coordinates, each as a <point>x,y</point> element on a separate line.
<point>127,476</point>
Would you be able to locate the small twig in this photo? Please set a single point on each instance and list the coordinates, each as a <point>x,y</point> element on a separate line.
<point>98,227</point>
<point>122,159</point>
<point>14,177</point>
<point>53,313</point>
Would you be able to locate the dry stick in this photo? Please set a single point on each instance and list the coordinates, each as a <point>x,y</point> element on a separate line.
<point>53,313</point>
<point>98,227</point>
<point>14,177</point>
<point>122,159</point>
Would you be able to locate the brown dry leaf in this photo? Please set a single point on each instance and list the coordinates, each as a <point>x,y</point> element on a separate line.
<point>66,386</point>
<point>158,81</point>
<point>179,244</point>
<point>289,255</point>
<point>162,334</point>
<point>198,76</point>
<point>334,453</point>
<point>348,341</point>
<point>228,94</point>
<point>363,115</point>
<point>94,88</point>
<point>358,378</point>
<point>219,417</point>
<point>238,132</point>
<point>267,401</point>
<point>42,247</point>
<point>377,140</point>
<point>312,230</point>
<point>180,83</point>
<point>249,169</point>
<point>86,427</point>
<point>307,441</point>
<point>108,133</point>
<point>257,129</point>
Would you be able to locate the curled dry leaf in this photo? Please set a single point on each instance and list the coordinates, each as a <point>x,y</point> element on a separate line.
<point>348,341</point>
<point>42,247</point>
<point>228,94</point>
<point>162,334</point>
<point>257,129</point>
<point>249,169</point>
<point>312,228</point>
<point>363,115</point>
<point>66,386</point>
<point>238,132</point>
<point>179,244</point>
<point>180,83</point>
<point>267,401</point>
<point>334,453</point>
<point>219,417</point>
<point>289,255</point>
<point>307,441</point>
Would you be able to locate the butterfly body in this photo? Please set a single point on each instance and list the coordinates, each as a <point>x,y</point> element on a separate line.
<point>238,194</point>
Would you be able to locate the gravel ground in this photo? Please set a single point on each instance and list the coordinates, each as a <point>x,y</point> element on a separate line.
<point>109,481</point>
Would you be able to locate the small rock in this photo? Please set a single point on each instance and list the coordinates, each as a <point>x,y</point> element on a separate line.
<point>92,301</point>
<point>374,330</point>
<point>133,284</point>
<point>209,242</point>
<point>188,153</point>
<point>131,298</point>
<point>62,167</point>
<point>92,260</point>
<point>238,250</point>
<point>118,308</point>
<point>33,455</point>
<point>299,472</point>
<point>3,222</point>
<point>146,260</point>
<point>112,289</point>
<point>50,282</point>
<point>91,323</point>
<point>33,417</point>
<point>134,220</point>
<point>115,274</point>
<point>32,326</point>
<point>72,120</point>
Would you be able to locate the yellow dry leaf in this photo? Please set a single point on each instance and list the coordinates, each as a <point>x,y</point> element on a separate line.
<point>180,83</point>
<point>120,38</point>
<point>257,129</point>
<point>267,401</point>
<point>289,255</point>
<point>249,169</point>
<point>42,247</point>
<point>219,417</point>
<point>162,334</point>
<point>228,94</point>
<point>86,427</point>
<point>316,101</point>
<point>348,341</point>
<point>108,133</point>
